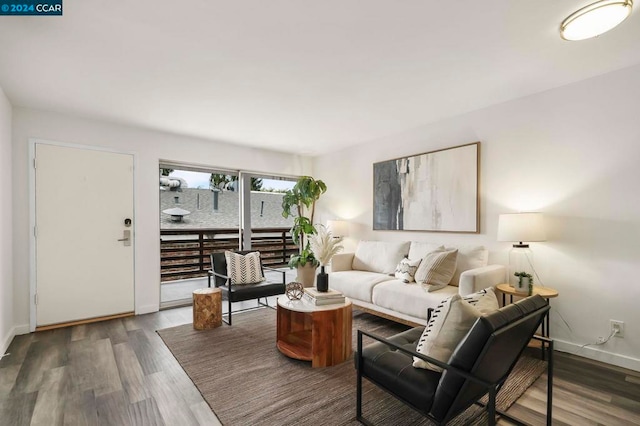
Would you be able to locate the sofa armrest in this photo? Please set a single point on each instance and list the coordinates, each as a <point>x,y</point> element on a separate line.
<point>342,262</point>
<point>477,279</point>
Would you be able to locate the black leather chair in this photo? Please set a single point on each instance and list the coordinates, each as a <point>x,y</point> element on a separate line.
<point>479,365</point>
<point>240,292</point>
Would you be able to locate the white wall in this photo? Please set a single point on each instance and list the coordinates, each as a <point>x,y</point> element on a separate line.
<point>6,267</point>
<point>149,147</point>
<point>572,153</point>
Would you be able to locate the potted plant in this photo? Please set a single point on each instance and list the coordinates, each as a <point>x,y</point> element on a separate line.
<point>324,246</point>
<point>525,282</point>
<point>302,199</point>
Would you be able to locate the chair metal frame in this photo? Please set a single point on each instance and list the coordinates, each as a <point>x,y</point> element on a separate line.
<point>211,273</point>
<point>492,388</point>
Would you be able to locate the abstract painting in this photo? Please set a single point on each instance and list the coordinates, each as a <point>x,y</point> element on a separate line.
<point>435,191</point>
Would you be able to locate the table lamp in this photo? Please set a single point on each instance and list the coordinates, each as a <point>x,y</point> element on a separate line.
<point>521,228</point>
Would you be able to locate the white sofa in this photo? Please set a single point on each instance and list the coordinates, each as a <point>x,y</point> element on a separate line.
<point>367,278</point>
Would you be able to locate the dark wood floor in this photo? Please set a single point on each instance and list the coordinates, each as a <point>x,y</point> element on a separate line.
<point>120,373</point>
<point>585,392</point>
<point>117,372</point>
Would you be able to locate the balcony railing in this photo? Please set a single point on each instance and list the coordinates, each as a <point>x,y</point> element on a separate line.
<point>184,253</point>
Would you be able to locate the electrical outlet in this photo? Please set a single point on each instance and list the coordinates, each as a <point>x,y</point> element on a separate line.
<point>618,326</point>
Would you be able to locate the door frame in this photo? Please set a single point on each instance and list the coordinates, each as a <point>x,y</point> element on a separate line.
<point>32,215</point>
<point>244,208</point>
<point>191,167</point>
<point>244,178</point>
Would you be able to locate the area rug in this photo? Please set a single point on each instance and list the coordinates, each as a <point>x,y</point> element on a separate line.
<point>247,381</point>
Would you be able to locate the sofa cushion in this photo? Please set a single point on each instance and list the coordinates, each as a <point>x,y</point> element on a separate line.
<point>406,269</point>
<point>436,269</point>
<point>341,262</point>
<point>410,299</point>
<point>356,285</point>
<point>418,249</point>
<point>379,256</point>
<point>469,257</point>
<point>450,322</point>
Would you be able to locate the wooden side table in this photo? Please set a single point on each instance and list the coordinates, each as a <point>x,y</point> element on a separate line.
<point>207,308</point>
<point>546,292</point>
<point>320,334</point>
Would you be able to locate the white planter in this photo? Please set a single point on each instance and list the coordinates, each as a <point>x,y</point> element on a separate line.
<point>522,285</point>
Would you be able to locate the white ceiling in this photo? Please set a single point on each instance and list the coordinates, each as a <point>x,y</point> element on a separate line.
<point>296,75</point>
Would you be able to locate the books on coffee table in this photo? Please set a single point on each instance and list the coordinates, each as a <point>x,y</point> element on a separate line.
<point>320,298</point>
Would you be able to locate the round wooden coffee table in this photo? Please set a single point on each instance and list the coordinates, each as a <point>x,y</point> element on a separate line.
<point>320,334</point>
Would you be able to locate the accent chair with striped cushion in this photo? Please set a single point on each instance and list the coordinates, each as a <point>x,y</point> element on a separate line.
<point>243,279</point>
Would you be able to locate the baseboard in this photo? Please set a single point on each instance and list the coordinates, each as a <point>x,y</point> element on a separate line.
<point>22,329</point>
<point>15,331</point>
<point>147,309</point>
<point>6,340</point>
<point>598,355</point>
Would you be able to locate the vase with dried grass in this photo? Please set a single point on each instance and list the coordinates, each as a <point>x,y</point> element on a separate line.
<point>324,246</point>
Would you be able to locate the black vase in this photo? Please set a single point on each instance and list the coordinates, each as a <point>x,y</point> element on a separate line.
<point>322,284</point>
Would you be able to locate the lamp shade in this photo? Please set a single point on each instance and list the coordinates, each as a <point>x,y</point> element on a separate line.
<point>338,228</point>
<point>521,227</point>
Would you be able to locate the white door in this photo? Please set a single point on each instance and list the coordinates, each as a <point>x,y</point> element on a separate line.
<point>82,199</point>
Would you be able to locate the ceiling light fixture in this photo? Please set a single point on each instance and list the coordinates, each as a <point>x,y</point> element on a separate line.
<point>595,19</point>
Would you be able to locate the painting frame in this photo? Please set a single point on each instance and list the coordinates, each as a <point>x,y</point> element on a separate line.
<point>435,191</point>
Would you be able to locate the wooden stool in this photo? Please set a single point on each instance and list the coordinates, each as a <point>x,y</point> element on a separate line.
<point>207,308</point>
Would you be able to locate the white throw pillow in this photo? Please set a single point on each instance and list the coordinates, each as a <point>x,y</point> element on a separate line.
<point>485,300</point>
<point>450,321</point>
<point>406,269</point>
<point>244,269</point>
<point>437,269</point>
